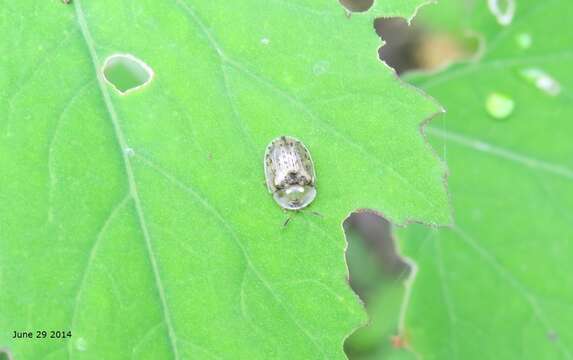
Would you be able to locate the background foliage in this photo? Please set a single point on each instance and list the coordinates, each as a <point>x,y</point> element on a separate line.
<point>496,284</point>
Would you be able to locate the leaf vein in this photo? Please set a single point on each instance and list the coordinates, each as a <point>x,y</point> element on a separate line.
<point>132,184</point>
<point>50,163</point>
<point>500,152</point>
<point>513,281</point>
<point>91,257</point>
<point>204,202</point>
<point>446,294</point>
<point>318,120</point>
<point>298,103</point>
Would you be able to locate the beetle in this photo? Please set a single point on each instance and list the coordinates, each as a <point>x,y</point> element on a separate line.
<point>289,173</point>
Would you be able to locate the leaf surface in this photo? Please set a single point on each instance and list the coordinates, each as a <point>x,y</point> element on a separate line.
<point>141,222</point>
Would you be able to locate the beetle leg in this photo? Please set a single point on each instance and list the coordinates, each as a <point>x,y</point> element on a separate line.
<point>316,213</point>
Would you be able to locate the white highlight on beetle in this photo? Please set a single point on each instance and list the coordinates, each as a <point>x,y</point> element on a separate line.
<point>502,12</point>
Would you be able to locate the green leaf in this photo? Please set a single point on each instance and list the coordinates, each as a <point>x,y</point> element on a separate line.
<point>497,285</point>
<point>141,222</point>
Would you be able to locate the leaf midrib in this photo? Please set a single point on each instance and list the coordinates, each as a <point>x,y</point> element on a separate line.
<point>132,185</point>
<point>133,192</point>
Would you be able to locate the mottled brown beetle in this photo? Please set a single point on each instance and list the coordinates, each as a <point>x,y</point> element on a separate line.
<point>289,173</point>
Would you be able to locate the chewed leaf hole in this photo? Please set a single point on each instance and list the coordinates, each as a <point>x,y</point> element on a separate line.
<point>357,5</point>
<point>381,277</point>
<point>419,47</point>
<point>126,73</point>
<point>5,354</point>
<point>372,253</point>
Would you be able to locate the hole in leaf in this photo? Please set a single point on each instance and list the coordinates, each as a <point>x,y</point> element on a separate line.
<point>357,5</point>
<point>417,47</point>
<point>377,274</point>
<point>371,243</point>
<point>503,10</point>
<point>5,354</point>
<point>126,73</point>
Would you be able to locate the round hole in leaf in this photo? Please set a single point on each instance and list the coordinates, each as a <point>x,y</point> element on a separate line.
<point>5,354</point>
<point>126,73</point>
<point>357,5</point>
